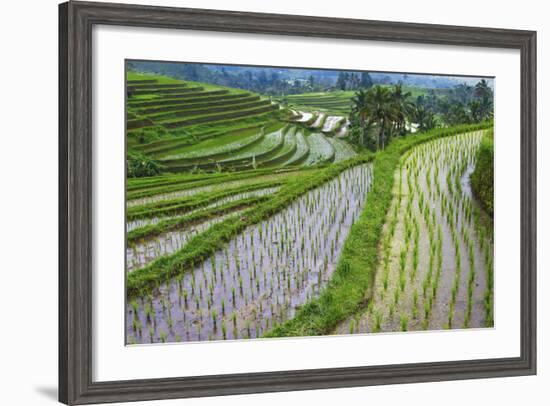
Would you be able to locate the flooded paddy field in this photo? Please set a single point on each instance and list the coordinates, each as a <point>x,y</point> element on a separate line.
<point>143,222</point>
<point>436,268</point>
<point>261,277</point>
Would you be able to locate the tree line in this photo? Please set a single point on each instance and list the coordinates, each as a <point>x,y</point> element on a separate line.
<point>379,113</point>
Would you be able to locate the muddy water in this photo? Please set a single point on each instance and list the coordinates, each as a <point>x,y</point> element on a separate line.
<point>394,307</point>
<point>263,275</point>
<point>134,224</point>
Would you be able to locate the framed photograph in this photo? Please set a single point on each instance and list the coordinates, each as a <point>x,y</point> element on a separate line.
<point>259,202</point>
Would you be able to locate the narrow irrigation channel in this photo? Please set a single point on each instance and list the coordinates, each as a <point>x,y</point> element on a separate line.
<point>436,269</point>
<point>262,276</point>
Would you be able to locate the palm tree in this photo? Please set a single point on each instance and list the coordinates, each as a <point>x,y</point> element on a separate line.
<point>379,109</point>
<point>486,108</point>
<point>462,92</point>
<point>483,90</point>
<point>358,100</point>
<point>475,110</point>
<point>423,117</point>
<point>360,134</point>
<point>402,107</point>
<point>456,115</point>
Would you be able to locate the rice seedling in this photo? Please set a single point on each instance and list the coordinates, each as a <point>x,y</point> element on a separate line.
<point>404,322</point>
<point>263,269</point>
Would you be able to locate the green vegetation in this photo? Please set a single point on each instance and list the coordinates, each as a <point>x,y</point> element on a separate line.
<point>335,102</point>
<point>138,165</point>
<point>353,279</point>
<point>312,213</point>
<point>181,126</point>
<point>482,177</point>
<point>381,112</point>
<point>200,247</point>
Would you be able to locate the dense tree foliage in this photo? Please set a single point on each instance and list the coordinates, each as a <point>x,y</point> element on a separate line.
<point>382,112</point>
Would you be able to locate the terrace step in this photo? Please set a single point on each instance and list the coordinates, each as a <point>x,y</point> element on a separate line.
<point>178,90</point>
<point>242,163</point>
<point>174,98</point>
<point>209,110</point>
<point>251,141</point>
<point>138,123</point>
<point>155,86</point>
<point>184,105</point>
<point>219,117</point>
<point>142,81</point>
<point>284,155</point>
<point>300,156</point>
<point>167,144</point>
<point>321,150</point>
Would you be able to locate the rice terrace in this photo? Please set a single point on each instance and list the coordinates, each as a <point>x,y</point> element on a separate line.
<point>266,202</point>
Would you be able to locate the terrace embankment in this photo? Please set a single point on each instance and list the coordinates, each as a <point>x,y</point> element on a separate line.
<point>436,267</point>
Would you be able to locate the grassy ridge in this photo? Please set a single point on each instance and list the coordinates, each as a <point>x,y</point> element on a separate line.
<point>482,180</point>
<point>144,184</point>
<point>188,203</point>
<point>205,244</point>
<point>176,187</point>
<point>350,286</point>
<point>153,230</point>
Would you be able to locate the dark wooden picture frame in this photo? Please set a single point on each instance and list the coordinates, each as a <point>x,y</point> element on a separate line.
<point>76,20</point>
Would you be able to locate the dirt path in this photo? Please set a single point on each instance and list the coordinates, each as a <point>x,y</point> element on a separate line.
<point>435,253</point>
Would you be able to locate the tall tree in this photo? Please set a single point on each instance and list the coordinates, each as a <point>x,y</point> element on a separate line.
<point>341,81</point>
<point>366,80</point>
<point>475,111</point>
<point>486,108</point>
<point>463,93</point>
<point>482,90</point>
<point>424,118</point>
<point>401,106</point>
<point>379,109</point>
<point>457,115</point>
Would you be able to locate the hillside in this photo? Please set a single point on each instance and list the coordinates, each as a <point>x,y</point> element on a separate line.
<point>187,126</point>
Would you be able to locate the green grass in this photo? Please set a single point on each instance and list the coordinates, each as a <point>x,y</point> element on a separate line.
<point>337,102</point>
<point>185,204</point>
<point>153,230</point>
<point>143,187</point>
<point>201,103</point>
<point>222,116</point>
<point>482,176</point>
<point>349,289</point>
